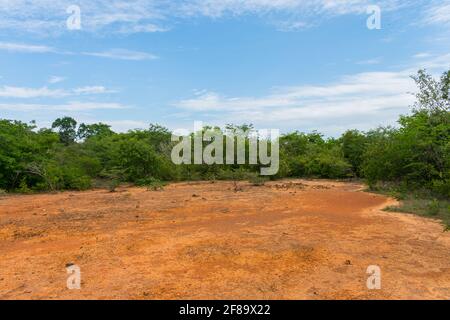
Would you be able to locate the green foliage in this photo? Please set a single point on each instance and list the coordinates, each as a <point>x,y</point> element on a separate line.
<point>23,187</point>
<point>67,129</point>
<point>256,180</point>
<point>422,205</point>
<point>113,184</point>
<point>93,130</point>
<point>413,156</point>
<point>433,207</point>
<point>309,155</point>
<point>151,183</point>
<point>354,145</point>
<point>21,146</point>
<point>418,153</point>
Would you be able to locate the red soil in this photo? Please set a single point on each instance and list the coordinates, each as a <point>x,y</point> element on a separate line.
<point>286,240</point>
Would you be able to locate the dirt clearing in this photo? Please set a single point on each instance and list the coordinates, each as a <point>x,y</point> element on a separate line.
<point>285,240</point>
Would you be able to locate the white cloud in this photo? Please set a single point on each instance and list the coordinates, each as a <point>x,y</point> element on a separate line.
<point>49,16</point>
<point>123,54</point>
<point>363,100</point>
<point>435,63</point>
<point>370,61</point>
<point>19,92</point>
<point>70,106</point>
<point>44,92</point>
<point>438,13</point>
<point>375,86</point>
<point>122,16</point>
<point>125,125</point>
<point>55,79</point>
<point>218,8</point>
<point>92,90</point>
<point>143,28</point>
<point>422,55</point>
<point>120,54</point>
<point>26,48</point>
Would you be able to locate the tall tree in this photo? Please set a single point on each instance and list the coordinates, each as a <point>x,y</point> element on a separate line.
<point>66,128</point>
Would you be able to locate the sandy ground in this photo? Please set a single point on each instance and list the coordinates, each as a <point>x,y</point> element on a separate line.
<point>286,240</point>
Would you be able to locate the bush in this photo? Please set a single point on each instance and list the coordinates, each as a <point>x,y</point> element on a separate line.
<point>113,184</point>
<point>441,187</point>
<point>23,187</point>
<point>79,183</point>
<point>433,207</point>
<point>151,183</point>
<point>258,181</point>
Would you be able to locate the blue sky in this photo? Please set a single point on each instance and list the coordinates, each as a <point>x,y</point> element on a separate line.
<point>286,64</point>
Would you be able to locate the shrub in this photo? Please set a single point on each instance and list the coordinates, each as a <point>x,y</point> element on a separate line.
<point>256,180</point>
<point>23,187</point>
<point>151,183</point>
<point>79,183</point>
<point>113,184</point>
<point>433,207</point>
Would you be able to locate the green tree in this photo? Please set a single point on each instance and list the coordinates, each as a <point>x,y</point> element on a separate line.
<point>66,128</point>
<point>86,131</point>
<point>354,144</point>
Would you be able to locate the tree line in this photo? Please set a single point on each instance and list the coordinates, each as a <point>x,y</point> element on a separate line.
<point>415,154</point>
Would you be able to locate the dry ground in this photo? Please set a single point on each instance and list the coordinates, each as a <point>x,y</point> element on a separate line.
<point>286,240</point>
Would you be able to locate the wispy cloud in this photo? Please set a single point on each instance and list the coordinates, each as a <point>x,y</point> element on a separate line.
<point>350,89</point>
<point>56,79</point>
<point>422,55</point>
<point>27,48</point>
<point>123,54</point>
<point>121,16</point>
<point>70,106</point>
<point>92,90</point>
<point>125,125</point>
<point>144,28</point>
<point>362,98</point>
<point>438,13</point>
<point>48,17</point>
<point>218,8</point>
<point>370,61</point>
<point>45,92</point>
<point>117,53</point>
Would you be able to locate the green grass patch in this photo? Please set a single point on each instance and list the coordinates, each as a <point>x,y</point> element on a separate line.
<point>426,207</point>
<point>422,202</point>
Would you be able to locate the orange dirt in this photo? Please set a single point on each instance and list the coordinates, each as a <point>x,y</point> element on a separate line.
<point>286,240</point>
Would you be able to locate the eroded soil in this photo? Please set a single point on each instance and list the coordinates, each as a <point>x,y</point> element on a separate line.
<point>285,240</point>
